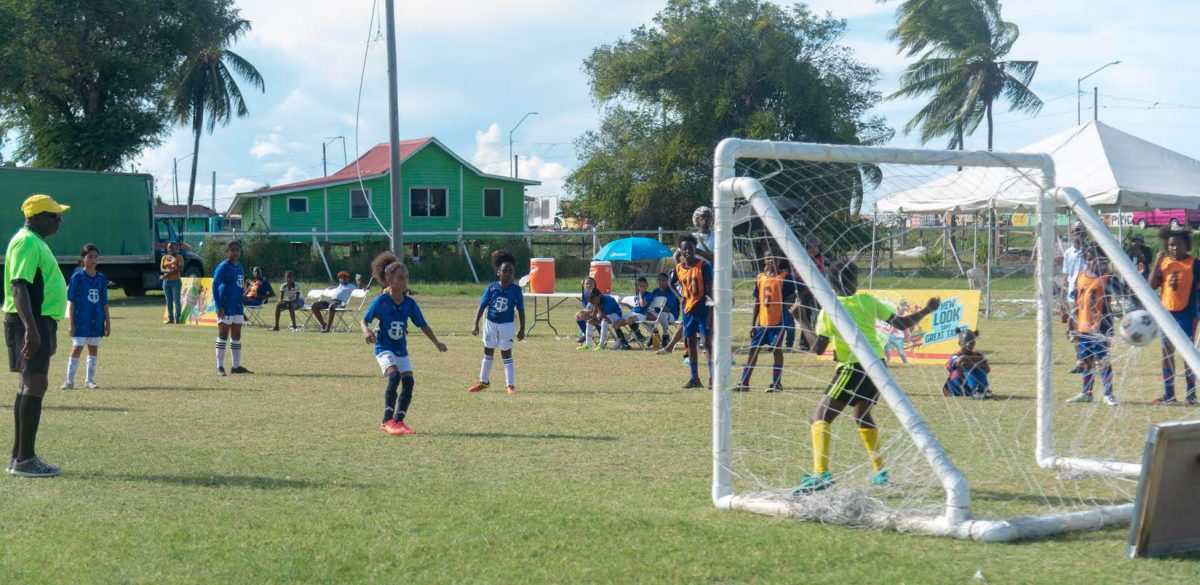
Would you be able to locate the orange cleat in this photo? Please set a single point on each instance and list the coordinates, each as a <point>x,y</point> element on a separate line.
<point>402,429</point>
<point>390,427</point>
<point>511,389</point>
<point>479,386</point>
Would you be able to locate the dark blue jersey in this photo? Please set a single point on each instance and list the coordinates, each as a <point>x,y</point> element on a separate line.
<point>643,307</point>
<point>88,296</point>
<point>228,283</point>
<point>609,305</point>
<point>502,303</point>
<point>392,333</point>
<point>672,306</point>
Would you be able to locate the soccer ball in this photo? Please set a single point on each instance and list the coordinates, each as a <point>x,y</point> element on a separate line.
<point>1138,328</point>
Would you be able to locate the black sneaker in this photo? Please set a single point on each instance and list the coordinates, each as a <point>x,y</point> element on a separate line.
<point>240,370</point>
<point>34,467</point>
<point>693,383</point>
<point>1078,369</point>
<point>776,387</point>
<point>220,371</point>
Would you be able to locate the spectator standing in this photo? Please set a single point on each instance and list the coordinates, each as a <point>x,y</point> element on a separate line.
<point>171,267</point>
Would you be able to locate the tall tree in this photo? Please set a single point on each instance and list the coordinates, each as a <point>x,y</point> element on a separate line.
<point>203,89</point>
<point>705,70</point>
<point>963,45</point>
<point>80,80</point>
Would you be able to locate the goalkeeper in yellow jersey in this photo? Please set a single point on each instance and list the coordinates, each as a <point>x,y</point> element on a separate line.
<point>850,386</point>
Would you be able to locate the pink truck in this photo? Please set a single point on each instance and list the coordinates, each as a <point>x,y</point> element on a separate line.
<point>1175,218</point>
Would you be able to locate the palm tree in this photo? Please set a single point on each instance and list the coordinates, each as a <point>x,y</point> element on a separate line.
<point>963,67</point>
<point>203,87</point>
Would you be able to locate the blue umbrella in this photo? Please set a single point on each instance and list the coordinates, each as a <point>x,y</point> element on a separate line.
<point>632,250</point>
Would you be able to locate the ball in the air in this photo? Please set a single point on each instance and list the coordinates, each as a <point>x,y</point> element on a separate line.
<point>1138,328</point>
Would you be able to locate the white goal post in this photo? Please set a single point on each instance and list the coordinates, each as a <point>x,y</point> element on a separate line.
<point>956,518</point>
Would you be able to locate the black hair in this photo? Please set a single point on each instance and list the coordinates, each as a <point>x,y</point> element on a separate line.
<point>290,273</point>
<point>965,333</point>
<point>1168,233</point>
<point>87,249</point>
<point>689,238</point>
<point>232,244</point>
<point>843,275</point>
<point>499,257</point>
<point>663,275</point>
<point>380,263</point>
<point>595,293</point>
<point>1094,251</point>
<point>642,280</point>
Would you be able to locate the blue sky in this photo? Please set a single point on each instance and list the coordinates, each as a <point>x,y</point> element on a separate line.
<point>469,70</point>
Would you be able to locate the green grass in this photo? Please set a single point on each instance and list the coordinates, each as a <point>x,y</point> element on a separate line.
<point>597,471</point>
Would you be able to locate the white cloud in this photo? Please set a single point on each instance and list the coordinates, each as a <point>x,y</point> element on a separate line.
<point>490,154</point>
<point>291,175</point>
<point>269,147</point>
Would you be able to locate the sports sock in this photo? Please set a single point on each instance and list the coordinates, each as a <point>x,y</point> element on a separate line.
<point>870,439</point>
<point>235,348</point>
<point>31,416</point>
<point>220,352</point>
<point>485,370</point>
<point>776,374</point>
<point>820,441</point>
<point>406,392</point>
<point>746,371</point>
<point>389,396</point>
<point>582,326</point>
<point>72,367</point>
<point>1088,379</point>
<point>91,367</point>
<point>603,332</point>
<point>1168,376</point>
<point>587,335</point>
<point>1106,375</point>
<point>510,374</point>
<point>620,336</point>
<point>1190,380</point>
<point>16,425</point>
<point>695,367</point>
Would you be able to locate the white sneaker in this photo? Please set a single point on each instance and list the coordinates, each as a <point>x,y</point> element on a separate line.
<point>1110,401</point>
<point>1079,398</point>
<point>67,386</point>
<point>92,385</point>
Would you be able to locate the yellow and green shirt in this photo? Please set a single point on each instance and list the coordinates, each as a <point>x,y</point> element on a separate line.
<point>865,310</point>
<point>28,258</point>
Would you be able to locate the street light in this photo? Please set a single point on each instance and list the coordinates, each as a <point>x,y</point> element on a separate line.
<point>329,140</point>
<point>512,168</point>
<point>1079,92</point>
<point>175,172</point>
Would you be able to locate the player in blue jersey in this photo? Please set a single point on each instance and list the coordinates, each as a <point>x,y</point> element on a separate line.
<point>394,309</point>
<point>228,285</point>
<point>605,313</point>
<point>501,301</point>
<point>87,294</point>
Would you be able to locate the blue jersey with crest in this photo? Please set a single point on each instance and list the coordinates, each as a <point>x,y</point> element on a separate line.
<point>392,333</point>
<point>88,295</point>
<point>645,298</point>
<point>502,303</point>
<point>228,282</point>
<point>672,306</point>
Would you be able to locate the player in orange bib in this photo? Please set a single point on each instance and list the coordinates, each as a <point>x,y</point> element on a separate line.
<point>1175,271</point>
<point>773,295</point>
<point>693,278</point>
<point>1091,324</point>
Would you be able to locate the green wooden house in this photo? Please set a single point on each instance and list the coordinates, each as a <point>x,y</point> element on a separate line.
<point>443,196</point>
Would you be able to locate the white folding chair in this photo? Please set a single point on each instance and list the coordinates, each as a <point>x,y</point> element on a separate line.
<point>349,314</point>
<point>254,315</point>
<point>310,298</point>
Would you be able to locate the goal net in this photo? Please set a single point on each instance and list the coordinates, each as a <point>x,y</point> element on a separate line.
<point>1001,458</point>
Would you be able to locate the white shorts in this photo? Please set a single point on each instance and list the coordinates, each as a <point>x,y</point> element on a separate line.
<point>82,341</point>
<point>232,320</point>
<point>613,317</point>
<point>665,318</point>
<point>635,318</point>
<point>499,335</point>
<point>388,359</point>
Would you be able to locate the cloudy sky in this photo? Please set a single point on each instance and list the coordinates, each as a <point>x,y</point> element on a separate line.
<point>469,70</point>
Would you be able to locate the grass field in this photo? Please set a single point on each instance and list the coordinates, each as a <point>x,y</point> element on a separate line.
<point>598,470</point>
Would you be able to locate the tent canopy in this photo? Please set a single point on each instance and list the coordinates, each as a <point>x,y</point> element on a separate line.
<point>1110,167</point>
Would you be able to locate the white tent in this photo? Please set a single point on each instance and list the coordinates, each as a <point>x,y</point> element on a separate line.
<point>1112,169</point>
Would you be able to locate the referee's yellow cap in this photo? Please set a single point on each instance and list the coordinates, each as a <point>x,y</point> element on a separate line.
<point>42,203</point>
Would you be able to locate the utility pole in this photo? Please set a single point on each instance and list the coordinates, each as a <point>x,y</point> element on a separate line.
<point>175,177</point>
<point>324,170</point>
<point>211,225</point>
<point>513,170</point>
<point>1079,92</point>
<point>394,135</point>
<point>1095,103</point>
<point>345,161</point>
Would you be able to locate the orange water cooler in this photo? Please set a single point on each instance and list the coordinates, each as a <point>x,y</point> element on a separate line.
<point>541,275</point>
<point>602,272</point>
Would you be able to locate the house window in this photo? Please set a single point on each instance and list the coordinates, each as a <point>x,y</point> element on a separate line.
<point>360,206</point>
<point>297,204</point>
<point>493,203</point>
<point>427,202</point>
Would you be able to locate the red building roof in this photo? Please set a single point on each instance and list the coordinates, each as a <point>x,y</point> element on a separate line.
<point>375,162</point>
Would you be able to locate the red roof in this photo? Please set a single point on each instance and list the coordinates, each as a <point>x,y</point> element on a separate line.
<point>375,162</point>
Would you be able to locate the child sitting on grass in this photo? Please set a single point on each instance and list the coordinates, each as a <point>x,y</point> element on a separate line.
<point>968,369</point>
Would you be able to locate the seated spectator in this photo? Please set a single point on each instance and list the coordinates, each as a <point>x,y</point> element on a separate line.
<point>642,299</point>
<point>289,298</point>
<point>258,290</point>
<point>968,369</point>
<point>604,312</point>
<point>341,294</point>
<point>669,314</point>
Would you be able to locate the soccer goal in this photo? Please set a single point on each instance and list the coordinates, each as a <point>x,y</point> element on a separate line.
<point>1008,458</point>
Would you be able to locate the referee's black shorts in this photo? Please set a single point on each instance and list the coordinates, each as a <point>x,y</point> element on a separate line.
<point>14,338</point>
<point>851,385</point>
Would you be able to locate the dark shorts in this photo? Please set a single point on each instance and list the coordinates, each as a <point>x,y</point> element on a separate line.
<point>294,305</point>
<point>14,338</point>
<point>1092,346</point>
<point>767,336</point>
<point>695,322</point>
<point>851,385</point>
<point>1186,321</point>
